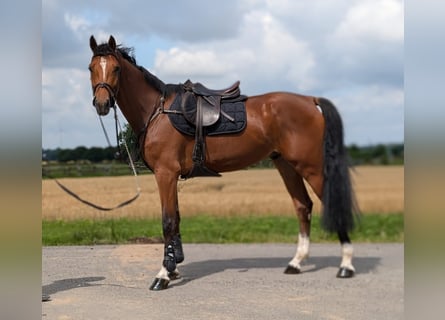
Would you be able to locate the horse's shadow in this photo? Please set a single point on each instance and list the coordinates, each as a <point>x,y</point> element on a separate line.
<point>200,269</point>
<point>68,284</point>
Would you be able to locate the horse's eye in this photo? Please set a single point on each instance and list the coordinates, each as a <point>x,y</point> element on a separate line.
<point>89,68</point>
<point>117,69</point>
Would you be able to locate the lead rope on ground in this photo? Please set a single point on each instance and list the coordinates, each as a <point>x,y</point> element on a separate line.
<point>138,188</point>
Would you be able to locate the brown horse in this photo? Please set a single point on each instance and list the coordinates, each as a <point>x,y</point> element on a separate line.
<point>302,134</point>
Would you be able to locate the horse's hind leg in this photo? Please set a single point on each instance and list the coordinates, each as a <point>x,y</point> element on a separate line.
<point>303,205</point>
<point>346,270</point>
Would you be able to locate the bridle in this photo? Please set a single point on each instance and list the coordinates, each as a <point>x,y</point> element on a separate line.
<point>106,86</point>
<point>111,104</point>
<point>111,93</point>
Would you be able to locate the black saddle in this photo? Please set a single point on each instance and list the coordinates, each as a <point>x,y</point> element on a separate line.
<point>235,121</point>
<point>207,102</point>
<point>201,107</point>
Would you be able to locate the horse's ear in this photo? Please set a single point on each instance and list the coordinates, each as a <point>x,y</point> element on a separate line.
<point>112,43</point>
<point>93,43</point>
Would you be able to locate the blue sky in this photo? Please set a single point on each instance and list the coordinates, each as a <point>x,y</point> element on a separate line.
<point>350,51</point>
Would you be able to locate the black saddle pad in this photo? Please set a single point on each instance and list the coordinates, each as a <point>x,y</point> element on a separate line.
<point>234,108</point>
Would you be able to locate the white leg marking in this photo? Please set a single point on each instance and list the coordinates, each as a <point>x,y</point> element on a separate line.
<point>347,253</point>
<point>302,251</point>
<point>103,64</point>
<point>163,274</point>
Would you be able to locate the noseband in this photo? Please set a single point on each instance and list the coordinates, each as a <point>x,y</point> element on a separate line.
<point>110,92</point>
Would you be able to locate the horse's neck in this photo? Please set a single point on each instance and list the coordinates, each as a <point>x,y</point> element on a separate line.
<point>136,98</point>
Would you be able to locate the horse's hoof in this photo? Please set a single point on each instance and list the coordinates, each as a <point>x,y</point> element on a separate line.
<point>174,275</point>
<point>159,284</point>
<point>292,270</point>
<point>345,273</point>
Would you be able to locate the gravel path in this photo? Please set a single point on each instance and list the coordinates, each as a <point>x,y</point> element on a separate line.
<point>240,281</point>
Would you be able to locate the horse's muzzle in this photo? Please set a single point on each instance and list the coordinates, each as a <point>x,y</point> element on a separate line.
<point>103,108</point>
<point>103,103</point>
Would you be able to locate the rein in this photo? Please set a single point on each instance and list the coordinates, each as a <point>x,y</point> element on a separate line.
<point>138,189</point>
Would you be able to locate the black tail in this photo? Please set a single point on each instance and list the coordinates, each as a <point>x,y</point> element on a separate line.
<point>339,205</point>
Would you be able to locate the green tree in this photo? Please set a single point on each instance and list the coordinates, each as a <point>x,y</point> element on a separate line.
<point>129,137</point>
<point>94,154</point>
<point>380,154</point>
<point>79,153</point>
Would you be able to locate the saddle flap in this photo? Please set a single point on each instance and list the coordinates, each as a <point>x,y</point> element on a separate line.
<point>188,106</point>
<point>210,108</point>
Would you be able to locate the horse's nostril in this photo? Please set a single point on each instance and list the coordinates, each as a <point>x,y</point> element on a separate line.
<point>102,108</point>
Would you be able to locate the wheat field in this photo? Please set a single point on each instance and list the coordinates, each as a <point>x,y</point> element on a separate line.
<point>379,189</point>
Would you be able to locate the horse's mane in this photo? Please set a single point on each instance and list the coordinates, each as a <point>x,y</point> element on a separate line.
<point>128,54</point>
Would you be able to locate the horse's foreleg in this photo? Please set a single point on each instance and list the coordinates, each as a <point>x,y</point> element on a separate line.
<point>303,205</point>
<point>173,252</point>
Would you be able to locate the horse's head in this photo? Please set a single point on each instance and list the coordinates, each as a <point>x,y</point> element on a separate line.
<point>105,71</point>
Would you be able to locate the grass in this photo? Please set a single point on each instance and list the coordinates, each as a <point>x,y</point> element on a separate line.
<point>214,229</point>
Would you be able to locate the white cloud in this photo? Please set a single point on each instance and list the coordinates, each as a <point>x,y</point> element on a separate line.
<point>280,53</point>
<point>75,22</point>
<point>179,62</point>
<point>365,47</point>
<point>372,98</point>
<point>62,89</point>
<point>68,117</point>
<point>263,49</point>
<point>371,114</point>
<point>373,20</point>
